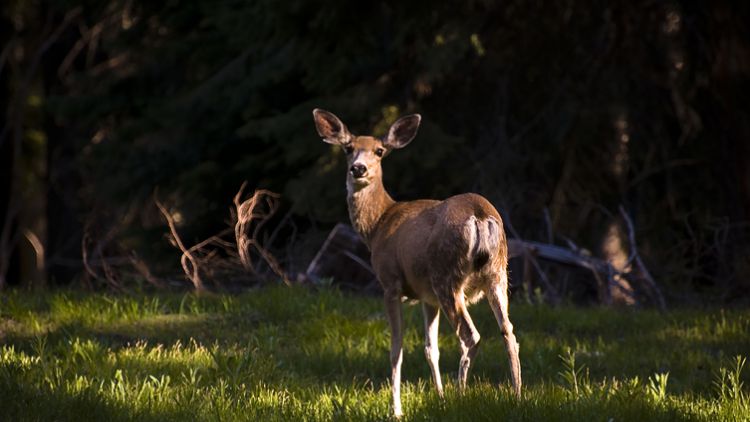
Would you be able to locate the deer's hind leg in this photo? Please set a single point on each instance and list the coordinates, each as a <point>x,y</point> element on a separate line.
<point>454,306</point>
<point>497,296</point>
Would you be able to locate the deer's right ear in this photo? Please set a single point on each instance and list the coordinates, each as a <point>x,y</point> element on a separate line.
<point>331,128</point>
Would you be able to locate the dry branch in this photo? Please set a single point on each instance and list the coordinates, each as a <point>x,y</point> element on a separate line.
<point>604,273</point>
<point>39,251</point>
<point>85,240</point>
<point>635,257</point>
<point>256,210</point>
<point>515,249</point>
<point>104,263</point>
<point>345,258</point>
<point>142,268</point>
<point>192,271</point>
<point>220,257</point>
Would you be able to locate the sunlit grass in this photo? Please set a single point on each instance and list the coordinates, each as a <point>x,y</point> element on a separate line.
<point>295,354</point>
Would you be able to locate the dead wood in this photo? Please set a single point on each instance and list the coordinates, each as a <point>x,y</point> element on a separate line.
<point>635,258</point>
<point>97,253</point>
<point>530,259</point>
<point>345,259</point>
<point>223,257</point>
<point>255,211</point>
<point>143,269</point>
<point>190,264</point>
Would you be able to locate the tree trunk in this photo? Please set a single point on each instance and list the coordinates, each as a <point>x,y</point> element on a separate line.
<point>8,269</point>
<point>64,227</point>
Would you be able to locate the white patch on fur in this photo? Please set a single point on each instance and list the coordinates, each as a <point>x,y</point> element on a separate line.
<point>471,236</point>
<point>355,187</point>
<point>493,234</point>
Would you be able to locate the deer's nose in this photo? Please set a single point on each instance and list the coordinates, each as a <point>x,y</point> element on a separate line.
<point>358,170</point>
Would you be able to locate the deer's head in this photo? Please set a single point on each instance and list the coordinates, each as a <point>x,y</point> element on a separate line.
<point>364,153</point>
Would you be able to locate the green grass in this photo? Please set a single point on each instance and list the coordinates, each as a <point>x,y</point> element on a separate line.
<point>295,354</point>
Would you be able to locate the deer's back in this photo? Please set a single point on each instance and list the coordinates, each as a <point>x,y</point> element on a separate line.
<point>418,241</point>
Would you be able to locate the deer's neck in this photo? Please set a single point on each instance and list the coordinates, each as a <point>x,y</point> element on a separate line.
<point>366,205</point>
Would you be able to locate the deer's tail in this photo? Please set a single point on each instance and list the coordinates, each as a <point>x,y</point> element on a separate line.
<point>484,236</point>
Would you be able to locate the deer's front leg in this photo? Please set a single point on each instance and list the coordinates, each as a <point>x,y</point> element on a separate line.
<point>393,312</point>
<point>431,321</point>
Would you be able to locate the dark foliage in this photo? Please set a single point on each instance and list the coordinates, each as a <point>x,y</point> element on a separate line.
<point>567,108</point>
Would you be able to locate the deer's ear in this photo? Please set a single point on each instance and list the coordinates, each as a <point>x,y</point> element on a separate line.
<point>331,128</point>
<point>402,131</point>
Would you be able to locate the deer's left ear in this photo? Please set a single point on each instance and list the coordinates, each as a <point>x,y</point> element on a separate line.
<point>402,131</point>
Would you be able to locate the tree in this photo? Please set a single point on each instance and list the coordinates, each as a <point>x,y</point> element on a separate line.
<point>566,110</point>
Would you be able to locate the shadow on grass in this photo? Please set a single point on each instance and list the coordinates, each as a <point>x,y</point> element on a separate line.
<point>23,402</point>
<point>545,404</point>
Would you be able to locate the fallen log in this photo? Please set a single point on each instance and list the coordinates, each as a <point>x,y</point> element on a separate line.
<point>343,259</point>
<point>606,276</point>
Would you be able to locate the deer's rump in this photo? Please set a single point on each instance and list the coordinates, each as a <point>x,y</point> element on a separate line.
<point>455,243</point>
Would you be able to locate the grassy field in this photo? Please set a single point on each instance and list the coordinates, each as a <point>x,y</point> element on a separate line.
<point>296,354</point>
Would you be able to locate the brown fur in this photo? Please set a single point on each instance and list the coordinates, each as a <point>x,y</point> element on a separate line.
<point>447,254</point>
<point>405,228</point>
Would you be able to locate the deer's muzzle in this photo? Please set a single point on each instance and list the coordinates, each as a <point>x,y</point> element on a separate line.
<point>358,170</point>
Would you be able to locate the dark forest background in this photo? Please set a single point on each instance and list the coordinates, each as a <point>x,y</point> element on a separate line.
<point>559,112</point>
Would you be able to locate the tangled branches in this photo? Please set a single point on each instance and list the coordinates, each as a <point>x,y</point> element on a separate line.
<point>220,258</point>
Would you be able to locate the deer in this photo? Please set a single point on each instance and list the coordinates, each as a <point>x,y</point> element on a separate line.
<point>445,254</point>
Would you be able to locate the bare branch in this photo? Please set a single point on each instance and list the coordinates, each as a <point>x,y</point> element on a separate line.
<point>214,239</point>
<point>636,258</point>
<point>527,253</point>
<point>86,39</point>
<point>142,268</point>
<point>105,264</point>
<point>38,247</point>
<point>247,213</point>
<point>192,271</point>
<point>274,264</point>
<point>359,261</point>
<point>217,257</point>
<point>548,224</point>
<point>284,220</point>
<point>85,239</point>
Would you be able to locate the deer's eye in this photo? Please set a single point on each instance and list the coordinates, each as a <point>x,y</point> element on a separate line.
<point>348,149</point>
<point>379,152</point>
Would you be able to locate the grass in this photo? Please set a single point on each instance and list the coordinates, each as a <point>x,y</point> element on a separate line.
<point>295,354</point>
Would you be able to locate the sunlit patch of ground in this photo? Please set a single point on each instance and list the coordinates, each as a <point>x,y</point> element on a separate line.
<point>295,354</point>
